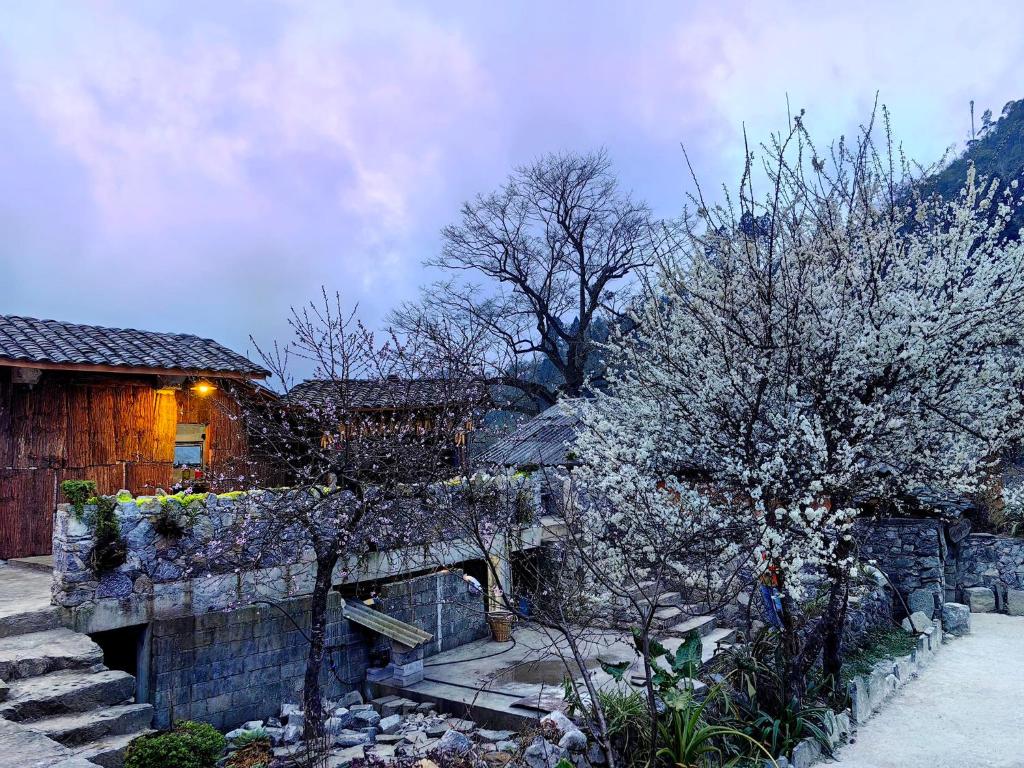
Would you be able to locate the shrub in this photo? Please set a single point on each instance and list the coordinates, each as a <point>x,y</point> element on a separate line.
<point>189,745</point>
<point>78,492</point>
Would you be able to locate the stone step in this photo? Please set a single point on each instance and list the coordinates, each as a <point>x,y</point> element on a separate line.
<point>703,624</point>
<point>38,653</point>
<point>108,752</point>
<point>33,620</point>
<point>82,727</point>
<point>66,691</point>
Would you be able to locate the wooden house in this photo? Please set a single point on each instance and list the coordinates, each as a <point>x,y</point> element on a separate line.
<point>126,408</point>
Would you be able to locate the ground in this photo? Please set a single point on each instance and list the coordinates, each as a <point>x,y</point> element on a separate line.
<point>964,712</point>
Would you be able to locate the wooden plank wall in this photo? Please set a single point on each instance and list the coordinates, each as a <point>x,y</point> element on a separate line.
<point>116,430</point>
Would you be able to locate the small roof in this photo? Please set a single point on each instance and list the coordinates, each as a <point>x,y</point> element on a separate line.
<point>383,624</point>
<point>390,393</point>
<point>543,441</point>
<point>56,345</point>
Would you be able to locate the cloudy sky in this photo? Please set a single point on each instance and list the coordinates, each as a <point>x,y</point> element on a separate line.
<point>200,166</point>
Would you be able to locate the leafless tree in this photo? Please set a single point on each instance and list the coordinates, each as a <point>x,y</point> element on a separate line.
<point>355,447</point>
<point>538,270</point>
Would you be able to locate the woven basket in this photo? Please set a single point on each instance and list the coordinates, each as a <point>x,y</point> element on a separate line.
<point>500,623</point>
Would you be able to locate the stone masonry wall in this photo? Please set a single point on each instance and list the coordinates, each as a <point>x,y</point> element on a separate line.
<point>991,561</point>
<point>220,559</point>
<point>227,667</point>
<point>912,553</point>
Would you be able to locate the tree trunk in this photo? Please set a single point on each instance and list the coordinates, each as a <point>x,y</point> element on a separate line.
<point>312,700</point>
<point>835,621</point>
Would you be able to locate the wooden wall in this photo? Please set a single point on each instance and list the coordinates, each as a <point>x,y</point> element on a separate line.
<point>116,430</point>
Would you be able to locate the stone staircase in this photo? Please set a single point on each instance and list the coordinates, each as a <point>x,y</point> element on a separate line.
<point>55,685</point>
<point>674,619</point>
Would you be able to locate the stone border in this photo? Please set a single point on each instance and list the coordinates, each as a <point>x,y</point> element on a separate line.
<point>869,693</point>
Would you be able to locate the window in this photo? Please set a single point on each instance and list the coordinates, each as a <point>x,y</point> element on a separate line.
<point>189,453</point>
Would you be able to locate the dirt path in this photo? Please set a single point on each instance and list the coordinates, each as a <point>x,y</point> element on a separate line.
<point>965,711</point>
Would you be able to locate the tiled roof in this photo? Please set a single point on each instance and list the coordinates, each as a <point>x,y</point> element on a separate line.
<point>55,343</point>
<point>544,441</point>
<point>387,393</point>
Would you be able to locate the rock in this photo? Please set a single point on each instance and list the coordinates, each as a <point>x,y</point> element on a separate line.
<point>352,738</point>
<point>542,753</point>
<point>922,600</point>
<point>345,757</point>
<point>498,759</point>
<point>460,725</point>
<point>917,622</point>
<point>507,746</point>
<point>559,722</point>
<point>488,735</point>
<point>806,753</point>
<point>366,717</point>
<point>595,755</point>
<point>342,713</point>
<point>351,699</point>
<point>956,618</point>
<point>436,731</point>
<point>454,742</point>
<point>275,733</point>
<point>573,741</point>
<point>290,734</point>
<point>298,719</point>
<point>1015,602</point>
<point>334,725</point>
<point>980,599</point>
<point>252,725</point>
<point>383,750</point>
<point>390,723</point>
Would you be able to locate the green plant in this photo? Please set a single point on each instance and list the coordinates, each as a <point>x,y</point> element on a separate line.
<point>628,721</point>
<point>207,740</point>
<point>78,493</point>
<point>878,644</point>
<point>189,745</point>
<point>780,732</point>
<point>109,550</point>
<point>691,739</point>
<point>168,524</point>
<point>671,673</point>
<point>252,737</point>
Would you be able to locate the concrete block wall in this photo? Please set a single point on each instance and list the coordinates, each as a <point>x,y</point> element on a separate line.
<point>226,667</point>
<point>443,604</point>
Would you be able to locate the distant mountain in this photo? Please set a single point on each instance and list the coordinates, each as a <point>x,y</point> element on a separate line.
<point>997,151</point>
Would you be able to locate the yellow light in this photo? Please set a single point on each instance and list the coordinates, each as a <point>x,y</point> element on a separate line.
<point>203,388</point>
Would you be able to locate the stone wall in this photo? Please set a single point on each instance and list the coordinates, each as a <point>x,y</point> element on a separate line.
<point>912,552</point>
<point>991,561</point>
<point>221,560</point>
<point>445,605</point>
<point>928,568</point>
<point>227,667</point>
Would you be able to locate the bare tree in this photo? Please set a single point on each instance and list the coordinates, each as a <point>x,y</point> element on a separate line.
<point>356,447</point>
<point>538,270</point>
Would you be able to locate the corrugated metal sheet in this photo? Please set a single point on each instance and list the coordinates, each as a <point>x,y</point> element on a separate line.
<point>385,625</point>
<point>544,441</point>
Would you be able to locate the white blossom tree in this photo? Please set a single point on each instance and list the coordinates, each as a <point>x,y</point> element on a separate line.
<point>832,340</point>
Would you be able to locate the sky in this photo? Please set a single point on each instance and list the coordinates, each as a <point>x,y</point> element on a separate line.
<point>201,167</point>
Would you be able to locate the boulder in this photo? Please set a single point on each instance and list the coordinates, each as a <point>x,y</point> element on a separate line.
<point>956,618</point>
<point>559,722</point>
<point>542,753</point>
<point>352,739</point>
<point>917,622</point>
<point>350,699</point>
<point>489,735</point>
<point>922,600</point>
<point>454,742</point>
<point>366,717</point>
<point>980,599</point>
<point>1015,602</point>
<point>573,741</point>
<point>345,757</point>
<point>389,724</point>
